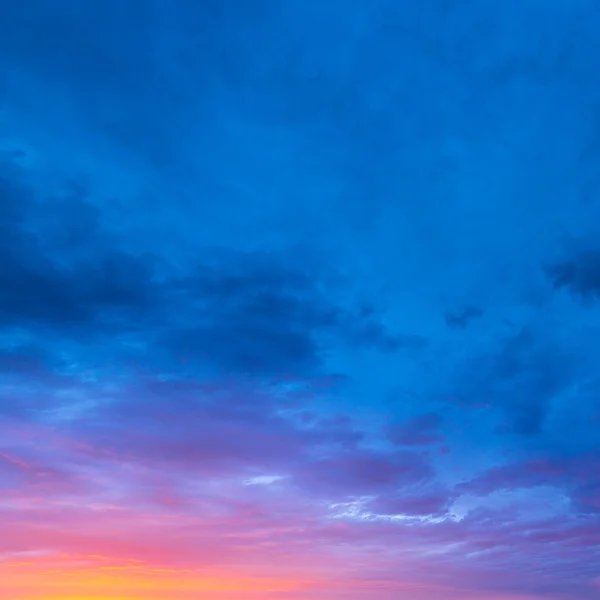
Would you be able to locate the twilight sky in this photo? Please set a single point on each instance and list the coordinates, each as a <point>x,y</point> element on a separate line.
<point>299,300</point>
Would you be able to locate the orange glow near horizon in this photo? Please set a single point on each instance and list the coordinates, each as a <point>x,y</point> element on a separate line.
<point>96,577</point>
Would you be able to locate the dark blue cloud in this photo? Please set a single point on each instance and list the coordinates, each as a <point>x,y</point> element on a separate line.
<point>66,271</point>
<point>522,377</point>
<point>42,284</point>
<point>462,318</point>
<point>579,274</point>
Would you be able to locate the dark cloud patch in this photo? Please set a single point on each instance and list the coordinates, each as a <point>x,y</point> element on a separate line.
<point>413,503</point>
<point>417,431</point>
<point>252,314</point>
<point>526,474</point>
<point>586,498</point>
<point>579,274</point>
<point>65,270</point>
<point>373,333</point>
<point>462,318</point>
<point>576,476</point>
<point>528,375</point>
<point>247,348</point>
<point>256,314</point>
<point>43,281</point>
<point>521,379</point>
<point>364,472</point>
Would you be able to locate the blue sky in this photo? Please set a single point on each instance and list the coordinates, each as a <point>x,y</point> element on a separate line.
<point>339,260</point>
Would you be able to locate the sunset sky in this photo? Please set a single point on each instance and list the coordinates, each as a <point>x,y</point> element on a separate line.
<point>299,300</point>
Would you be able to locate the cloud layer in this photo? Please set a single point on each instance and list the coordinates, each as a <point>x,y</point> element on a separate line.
<point>299,300</point>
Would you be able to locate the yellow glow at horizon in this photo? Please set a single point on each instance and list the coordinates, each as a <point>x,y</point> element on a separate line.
<point>35,581</point>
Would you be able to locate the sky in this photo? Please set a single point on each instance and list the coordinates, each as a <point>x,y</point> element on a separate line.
<point>299,300</point>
